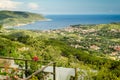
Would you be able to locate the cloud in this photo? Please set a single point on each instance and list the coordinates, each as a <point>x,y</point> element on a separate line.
<point>17,5</point>
<point>33,6</point>
<point>9,4</point>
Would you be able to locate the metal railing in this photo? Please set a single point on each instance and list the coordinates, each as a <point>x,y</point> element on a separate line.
<point>26,67</point>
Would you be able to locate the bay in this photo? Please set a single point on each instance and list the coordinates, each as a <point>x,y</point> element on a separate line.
<point>62,21</point>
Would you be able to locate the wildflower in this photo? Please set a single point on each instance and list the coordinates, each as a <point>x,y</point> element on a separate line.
<point>35,58</point>
<point>16,77</point>
<point>15,69</point>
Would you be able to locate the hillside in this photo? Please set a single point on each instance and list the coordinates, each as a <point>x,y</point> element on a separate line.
<point>102,38</point>
<point>88,47</point>
<point>17,18</point>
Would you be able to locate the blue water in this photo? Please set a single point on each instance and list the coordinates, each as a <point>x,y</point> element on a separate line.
<point>62,21</point>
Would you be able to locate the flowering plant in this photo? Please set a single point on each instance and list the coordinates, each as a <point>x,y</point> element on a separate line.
<point>10,73</point>
<point>35,58</point>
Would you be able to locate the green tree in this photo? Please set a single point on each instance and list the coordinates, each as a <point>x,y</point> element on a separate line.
<point>105,74</point>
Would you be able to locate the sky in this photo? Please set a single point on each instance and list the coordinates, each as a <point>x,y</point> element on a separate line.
<point>63,6</point>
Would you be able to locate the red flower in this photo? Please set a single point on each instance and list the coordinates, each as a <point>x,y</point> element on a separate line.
<point>35,58</point>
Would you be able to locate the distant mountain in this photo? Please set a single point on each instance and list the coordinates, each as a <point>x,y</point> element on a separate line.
<point>17,18</point>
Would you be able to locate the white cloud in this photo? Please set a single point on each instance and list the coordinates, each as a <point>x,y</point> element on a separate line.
<point>17,5</point>
<point>9,4</point>
<point>33,6</point>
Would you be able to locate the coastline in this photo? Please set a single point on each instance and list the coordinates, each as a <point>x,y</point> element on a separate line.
<point>59,22</point>
<point>22,24</point>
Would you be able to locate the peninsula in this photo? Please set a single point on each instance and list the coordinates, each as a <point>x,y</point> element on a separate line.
<point>18,18</point>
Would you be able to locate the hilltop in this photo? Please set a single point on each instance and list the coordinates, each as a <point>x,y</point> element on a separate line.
<point>17,18</point>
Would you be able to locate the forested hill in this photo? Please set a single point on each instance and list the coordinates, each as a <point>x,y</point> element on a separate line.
<point>17,18</point>
<point>91,48</point>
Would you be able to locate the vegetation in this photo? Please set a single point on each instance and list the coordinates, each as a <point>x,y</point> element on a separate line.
<point>88,47</point>
<point>1,27</point>
<point>17,18</point>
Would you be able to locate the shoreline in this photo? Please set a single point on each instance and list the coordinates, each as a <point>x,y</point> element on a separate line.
<point>23,24</point>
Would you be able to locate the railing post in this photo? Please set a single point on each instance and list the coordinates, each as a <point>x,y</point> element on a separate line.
<point>76,75</point>
<point>54,71</point>
<point>26,68</point>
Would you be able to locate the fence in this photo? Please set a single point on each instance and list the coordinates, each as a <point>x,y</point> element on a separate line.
<point>26,67</point>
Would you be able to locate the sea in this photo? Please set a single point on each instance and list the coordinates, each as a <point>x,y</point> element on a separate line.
<point>63,21</point>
